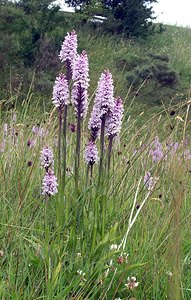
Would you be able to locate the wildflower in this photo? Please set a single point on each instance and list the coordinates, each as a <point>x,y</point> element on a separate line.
<point>156,150</point>
<point>1,253</point>
<point>49,184</point>
<point>131,283</point>
<point>46,158</point>
<point>5,130</point>
<point>123,258</point>
<point>169,274</point>
<point>172,148</point>
<point>100,281</point>
<point>72,127</point>
<point>187,154</point>
<point>81,83</point>
<point>172,112</point>
<point>79,254</point>
<point>91,153</point>
<point>114,120</point>
<point>103,103</point>
<point>68,50</point>
<point>104,94</point>
<point>2,147</point>
<point>113,247</point>
<point>95,121</point>
<point>80,272</point>
<point>81,70</point>
<point>80,101</point>
<point>42,132</point>
<point>60,92</point>
<point>29,163</point>
<point>31,143</point>
<point>150,181</point>
<point>35,129</point>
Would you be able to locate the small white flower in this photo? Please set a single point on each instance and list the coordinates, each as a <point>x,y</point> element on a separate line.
<point>131,283</point>
<point>80,272</point>
<point>113,247</point>
<point>169,273</point>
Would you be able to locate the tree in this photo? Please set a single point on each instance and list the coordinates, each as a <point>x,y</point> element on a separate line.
<point>44,22</point>
<point>43,15</point>
<point>131,17</point>
<point>26,26</point>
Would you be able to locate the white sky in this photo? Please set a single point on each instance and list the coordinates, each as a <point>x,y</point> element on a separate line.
<point>169,11</point>
<point>173,12</point>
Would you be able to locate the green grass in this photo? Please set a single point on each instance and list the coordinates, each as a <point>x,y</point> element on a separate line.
<point>122,55</point>
<point>45,242</point>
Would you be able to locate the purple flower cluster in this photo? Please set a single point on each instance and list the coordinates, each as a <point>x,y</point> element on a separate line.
<point>47,158</point>
<point>5,131</point>
<point>104,95</point>
<point>36,130</point>
<point>103,103</point>
<point>150,181</point>
<point>61,92</point>
<point>91,153</point>
<point>5,135</point>
<point>49,184</point>
<point>187,154</point>
<point>95,121</point>
<point>172,148</point>
<point>107,112</point>
<point>156,150</point>
<point>114,120</point>
<point>69,48</point>
<point>81,84</point>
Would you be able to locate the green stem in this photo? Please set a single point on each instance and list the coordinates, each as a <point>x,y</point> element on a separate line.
<point>103,204</point>
<point>64,144</point>
<point>59,143</point>
<point>46,236</point>
<point>109,153</point>
<point>101,149</point>
<point>77,159</point>
<point>87,174</point>
<point>91,174</point>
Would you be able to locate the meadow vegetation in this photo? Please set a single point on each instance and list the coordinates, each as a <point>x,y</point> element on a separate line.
<point>89,240</point>
<point>117,226</point>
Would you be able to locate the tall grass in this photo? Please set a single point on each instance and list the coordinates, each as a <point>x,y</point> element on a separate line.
<point>45,244</point>
<point>85,245</point>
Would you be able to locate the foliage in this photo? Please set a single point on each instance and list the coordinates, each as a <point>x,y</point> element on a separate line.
<point>133,18</point>
<point>26,25</point>
<point>154,67</point>
<point>130,17</point>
